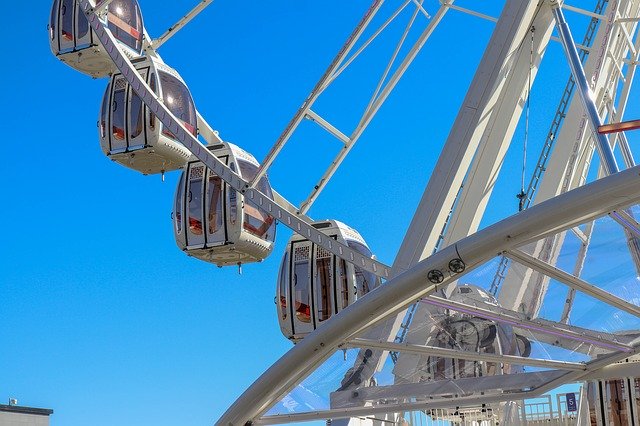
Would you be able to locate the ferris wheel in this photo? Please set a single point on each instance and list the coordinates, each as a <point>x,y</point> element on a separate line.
<point>461,352</point>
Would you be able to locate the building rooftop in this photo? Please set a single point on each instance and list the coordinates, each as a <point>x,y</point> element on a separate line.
<point>26,410</point>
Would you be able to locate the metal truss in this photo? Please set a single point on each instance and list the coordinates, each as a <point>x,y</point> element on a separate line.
<point>555,215</point>
<point>611,195</point>
<point>172,30</point>
<point>457,394</point>
<point>573,281</point>
<point>296,222</point>
<point>341,62</point>
<point>460,354</point>
<point>560,334</point>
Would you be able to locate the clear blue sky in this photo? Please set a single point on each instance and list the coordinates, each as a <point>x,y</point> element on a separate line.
<point>102,318</point>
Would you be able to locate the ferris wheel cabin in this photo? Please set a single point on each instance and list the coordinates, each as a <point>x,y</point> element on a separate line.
<point>130,134</point>
<point>213,222</point>
<point>314,284</point>
<point>459,331</point>
<point>74,43</point>
<point>469,333</point>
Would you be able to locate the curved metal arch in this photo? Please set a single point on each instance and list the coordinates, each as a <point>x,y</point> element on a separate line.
<point>557,214</point>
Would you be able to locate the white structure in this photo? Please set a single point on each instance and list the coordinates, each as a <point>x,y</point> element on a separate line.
<point>444,247</point>
<point>15,415</point>
<point>214,222</point>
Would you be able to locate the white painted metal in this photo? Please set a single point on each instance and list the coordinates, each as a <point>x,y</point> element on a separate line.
<point>529,387</point>
<point>614,193</point>
<point>470,12</point>
<point>318,89</point>
<point>568,166</point>
<point>477,144</point>
<point>380,96</point>
<point>384,88</point>
<point>172,30</point>
<point>552,216</point>
<point>460,354</point>
<point>586,95</point>
<point>175,126</point>
<point>573,281</point>
<point>559,334</point>
<point>585,239</point>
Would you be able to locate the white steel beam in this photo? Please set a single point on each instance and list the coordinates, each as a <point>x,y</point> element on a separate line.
<point>573,281</point>
<point>577,271</point>
<point>495,133</point>
<point>626,220</point>
<point>376,102</point>
<point>470,12</point>
<point>172,30</point>
<point>281,213</point>
<point>317,90</point>
<point>478,142</point>
<point>584,90</point>
<point>583,11</point>
<point>539,327</point>
<point>568,165</point>
<point>448,388</point>
<point>101,5</point>
<point>207,132</point>
<point>560,213</point>
<point>311,115</point>
<point>460,354</point>
<point>451,394</point>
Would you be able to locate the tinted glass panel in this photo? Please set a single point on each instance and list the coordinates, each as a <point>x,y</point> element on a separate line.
<point>154,86</point>
<point>324,283</point>
<point>125,22</point>
<point>177,208</point>
<point>52,20</point>
<point>178,100</point>
<point>194,200</point>
<point>365,280</point>
<point>118,109</point>
<point>282,286</point>
<point>233,201</point>
<point>214,197</point>
<point>67,19</point>
<point>301,283</point>
<point>636,384</point>
<point>256,222</point>
<point>137,115</point>
<point>343,284</point>
<point>83,25</point>
<point>104,110</point>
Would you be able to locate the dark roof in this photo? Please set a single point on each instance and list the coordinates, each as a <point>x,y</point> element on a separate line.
<point>26,410</point>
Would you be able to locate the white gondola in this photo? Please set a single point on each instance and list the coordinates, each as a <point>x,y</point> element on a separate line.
<point>214,222</point>
<point>130,133</point>
<point>473,334</point>
<point>313,284</point>
<point>469,333</point>
<point>74,43</point>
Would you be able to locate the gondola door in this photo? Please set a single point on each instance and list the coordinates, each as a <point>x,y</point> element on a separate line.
<point>66,23</point>
<point>136,116</point>
<point>194,205</point>
<point>323,285</point>
<point>301,274</point>
<point>215,212</point>
<point>83,35</point>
